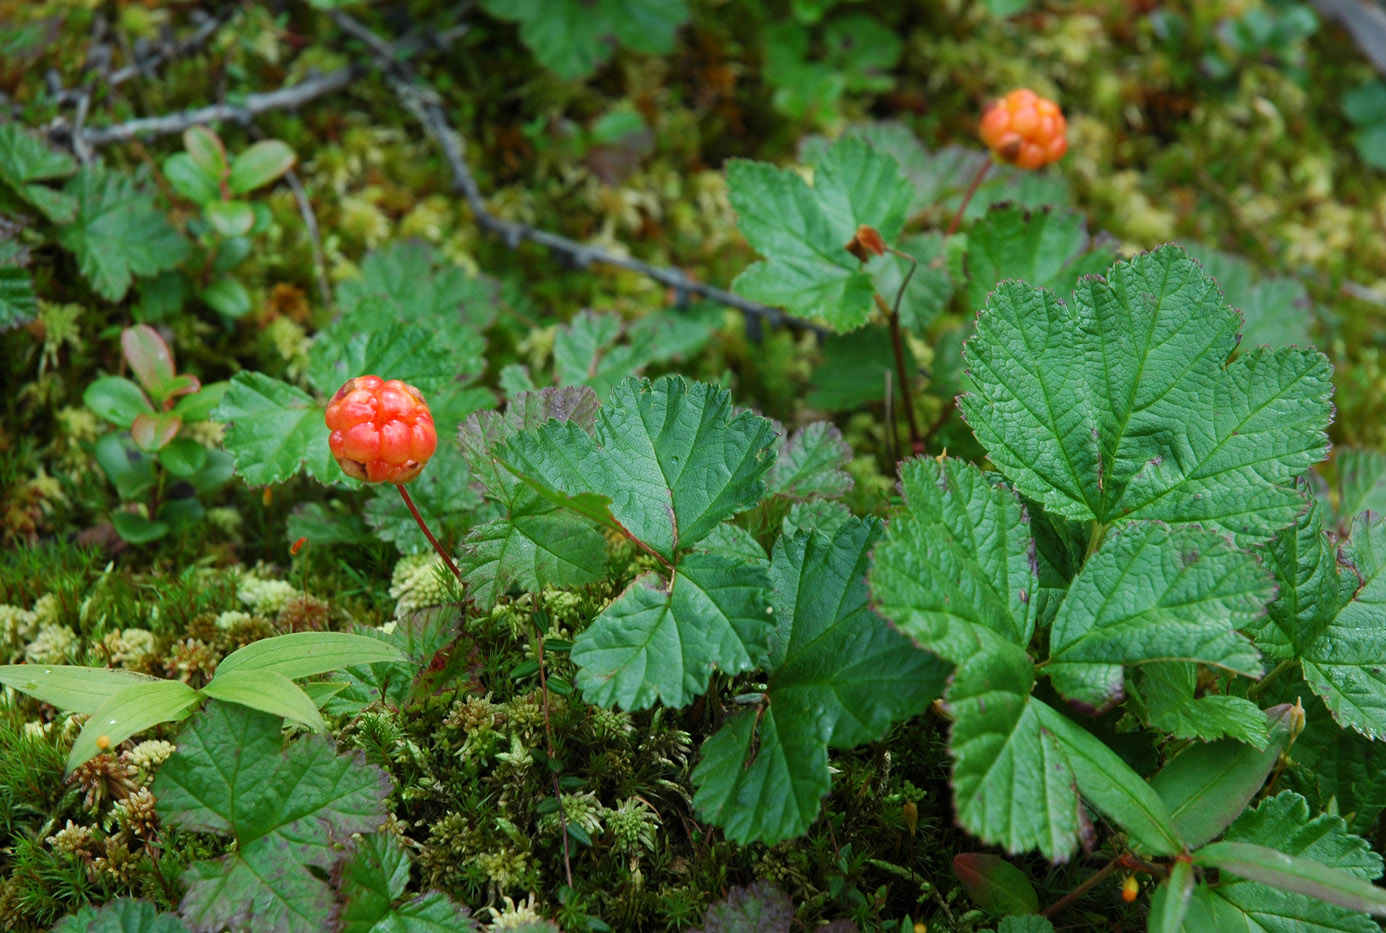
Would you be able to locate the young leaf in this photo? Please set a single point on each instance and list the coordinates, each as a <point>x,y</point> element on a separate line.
<point>1167,691</point>
<point>839,676</point>
<point>150,359</point>
<point>1208,786</point>
<point>1124,406</point>
<point>673,459</point>
<point>229,218</point>
<point>303,654</point>
<point>1292,874</point>
<point>599,350</point>
<point>994,884</point>
<point>206,150</point>
<point>267,691</point>
<point>117,399</point>
<point>131,711</point>
<point>371,894</point>
<point>286,810</point>
<point>810,464</point>
<point>24,162</point>
<point>273,430</point>
<point>959,563</point>
<point>117,232</point>
<point>803,232</point>
<point>661,641</point>
<point>572,38</point>
<point>1048,248</point>
<point>259,165</point>
<point>70,688</point>
<point>1170,902</point>
<point>1154,593</point>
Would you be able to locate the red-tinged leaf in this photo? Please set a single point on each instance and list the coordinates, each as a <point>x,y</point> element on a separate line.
<point>153,432</point>
<point>994,884</point>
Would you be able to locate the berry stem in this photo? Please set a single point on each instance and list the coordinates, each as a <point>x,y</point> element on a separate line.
<point>897,344</point>
<point>967,197</point>
<point>1096,878</point>
<point>423,526</point>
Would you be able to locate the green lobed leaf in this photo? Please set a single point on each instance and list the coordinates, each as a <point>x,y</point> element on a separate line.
<point>1154,593</point>
<point>1030,923</point>
<point>371,894</point>
<point>267,691</point>
<point>1304,563</point>
<point>128,712</point>
<point>661,641</point>
<point>1048,248</point>
<point>117,232</point>
<point>732,541</point>
<point>600,350</point>
<point>839,675</point>
<point>396,350</point>
<point>68,687</point>
<point>757,908</point>
<point>121,915</point>
<point>574,37</point>
<point>1124,405</point>
<point>25,162</point>
<point>1167,691</point>
<point>410,280</point>
<point>1343,664</point>
<point>303,654</point>
<point>287,809</point>
<point>1278,311</point>
<point>810,464</point>
<point>956,569</point>
<point>1208,786</point>
<point>485,430</point>
<point>1013,786</point>
<point>18,303</point>
<point>1283,823</point>
<point>803,231</point>
<point>1361,483</point>
<point>673,459</point>
<point>273,430</point>
<point>535,546</point>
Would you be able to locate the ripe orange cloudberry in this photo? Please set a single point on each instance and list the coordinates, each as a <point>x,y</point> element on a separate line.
<point>1024,129</point>
<point>382,431</point>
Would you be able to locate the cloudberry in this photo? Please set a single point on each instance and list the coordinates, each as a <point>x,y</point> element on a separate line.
<point>382,432</point>
<point>1024,129</point>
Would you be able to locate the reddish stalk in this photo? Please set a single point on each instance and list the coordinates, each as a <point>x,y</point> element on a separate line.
<point>423,526</point>
<point>967,197</point>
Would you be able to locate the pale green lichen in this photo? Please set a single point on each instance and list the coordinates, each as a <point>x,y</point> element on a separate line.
<point>265,597</point>
<point>54,644</point>
<point>418,582</point>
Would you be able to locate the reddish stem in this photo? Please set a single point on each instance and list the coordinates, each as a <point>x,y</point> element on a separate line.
<point>967,197</point>
<point>423,526</point>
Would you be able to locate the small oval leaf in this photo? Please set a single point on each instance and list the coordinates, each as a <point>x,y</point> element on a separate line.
<point>152,432</point>
<point>994,884</point>
<point>116,399</point>
<point>259,165</point>
<point>128,712</point>
<point>229,218</point>
<point>150,359</point>
<point>206,150</point>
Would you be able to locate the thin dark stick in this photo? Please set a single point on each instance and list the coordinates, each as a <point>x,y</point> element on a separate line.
<point>967,197</point>
<point>548,738</point>
<point>1068,899</point>
<point>423,103</point>
<point>902,375</point>
<point>428,534</point>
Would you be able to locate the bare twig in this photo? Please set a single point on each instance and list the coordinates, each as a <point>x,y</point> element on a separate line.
<point>285,98</point>
<point>310,220</point>
<point>423,102</point>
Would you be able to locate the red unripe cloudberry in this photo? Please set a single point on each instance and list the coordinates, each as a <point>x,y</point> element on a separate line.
<point>1024,129</point>
<point>382,431</point>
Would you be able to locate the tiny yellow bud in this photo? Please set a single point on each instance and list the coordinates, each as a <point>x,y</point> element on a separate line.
<point>911,813</point>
